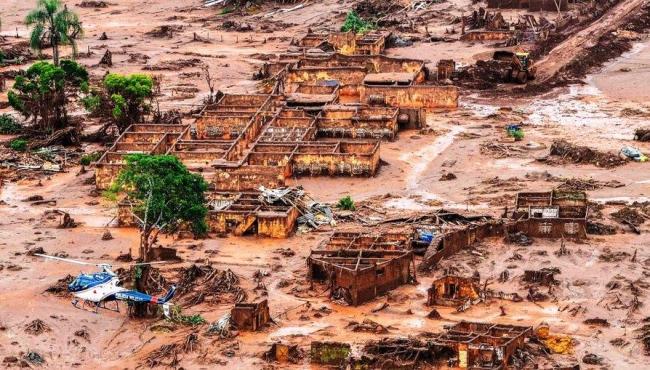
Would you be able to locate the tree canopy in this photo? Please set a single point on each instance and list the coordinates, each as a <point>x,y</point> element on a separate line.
<point>164,195</point>
<point>125,98</point>
<point>43,91</point>
<point>53,24</point>
<point>129,95</point>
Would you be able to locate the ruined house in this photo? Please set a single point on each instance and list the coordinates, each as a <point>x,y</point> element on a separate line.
<point>482,345</point>
<point>452,290</point>
<point>450,241</point>
<point>446,69</point>
<point>251,316</point>
<point>283,353</point>
<point>358,276</point>
<point>236,213</point>
<point>466,345</point>
<point>246,214</point>
<point>347,43</point>
<point>553,214</point>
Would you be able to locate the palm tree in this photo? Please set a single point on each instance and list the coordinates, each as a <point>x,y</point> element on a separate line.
<point>51,22</point>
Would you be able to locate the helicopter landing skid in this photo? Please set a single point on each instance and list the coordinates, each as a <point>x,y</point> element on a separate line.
<point>94,307</point>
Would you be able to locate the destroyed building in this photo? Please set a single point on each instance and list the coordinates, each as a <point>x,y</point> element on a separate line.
<point>245,214</point>
<point>244,141</point>
<point>453,240</point>
<point>452,290</point>
<point>358,276</point>
<point>273,213</point>
<point>466,345</point>
<point>483,345</point>
<point>554,214</point>
<point>347,43</point>
<point>326,115</point>
<point>251,316</point>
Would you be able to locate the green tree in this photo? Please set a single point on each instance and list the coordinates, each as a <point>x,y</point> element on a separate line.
<point>164,195</point>
<point>126,98</point>
<point>53,24</point>
<point>43,92</point>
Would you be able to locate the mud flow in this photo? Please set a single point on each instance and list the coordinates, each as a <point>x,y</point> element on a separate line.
<point>430,184</point>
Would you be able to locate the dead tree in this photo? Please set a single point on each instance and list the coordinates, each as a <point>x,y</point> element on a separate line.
<point>210,82</point>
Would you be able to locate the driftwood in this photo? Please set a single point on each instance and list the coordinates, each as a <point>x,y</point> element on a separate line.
<point>65,136</point>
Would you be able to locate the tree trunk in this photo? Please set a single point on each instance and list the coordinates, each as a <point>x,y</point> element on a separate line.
<point>141,309</point>
<point>55,52</point>
<point>145,244</point>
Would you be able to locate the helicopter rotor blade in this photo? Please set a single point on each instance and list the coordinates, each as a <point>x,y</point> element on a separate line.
<point>99,264</point>
<point>150,263</point>
<point>66,260</point>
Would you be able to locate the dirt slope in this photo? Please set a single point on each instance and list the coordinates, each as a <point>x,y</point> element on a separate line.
<point>571,48</point>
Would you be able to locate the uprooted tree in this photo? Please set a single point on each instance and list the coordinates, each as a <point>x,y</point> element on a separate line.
<point>123,99</point>
<point>53,25</point>
<point>43,93</point>
<point>164,196</point>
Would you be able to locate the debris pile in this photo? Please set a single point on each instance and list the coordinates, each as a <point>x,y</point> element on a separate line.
<point>221,327</point>
<point>164,31</point>
<point>644,336</point>
<point>198,284</point>
<point>37,327</point>
<point>575,184</point>
<point>367,326</point>
<point>631,216</point>
<point>598,228</point>
<point>396,353</point>
<point>312,213</point>
<point>497,150</point>
<point>173,65</point>
<point>642,134</point>
<point>93,4</point>
<point>60,288</point>
<point>583,155</point>
<point>34,358</point>
<point>166,355</point>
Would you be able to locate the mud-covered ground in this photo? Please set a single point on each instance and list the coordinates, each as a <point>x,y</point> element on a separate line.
<point>598,279</point>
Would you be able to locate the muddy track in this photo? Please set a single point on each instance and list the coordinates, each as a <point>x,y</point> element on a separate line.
<point>570,49</point>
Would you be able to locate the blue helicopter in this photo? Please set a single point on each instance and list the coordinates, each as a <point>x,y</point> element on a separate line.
<point>96,289</point>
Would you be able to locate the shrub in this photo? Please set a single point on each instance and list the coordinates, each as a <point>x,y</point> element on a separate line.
<point>91,103</point>
<point>353,22</point>
<point>518,134</point>
<point>19,145</point>
<point>177,316</point>
<point>346,203</point>
<point>87,159</point>
<point>9,125</point>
